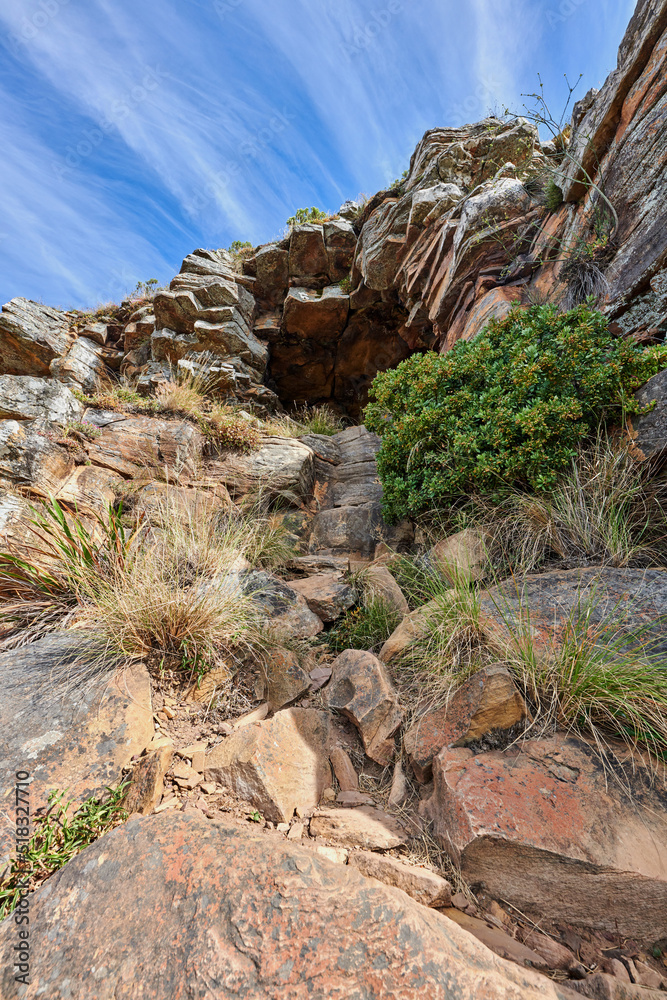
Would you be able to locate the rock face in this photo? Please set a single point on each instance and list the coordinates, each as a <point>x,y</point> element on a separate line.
<point>69,720</point>
<point>31,337</point>
<point>128,443</point>
<point>278,765</point>
<point>487,701</point>
<point>279,464</point>
<point>230,913</point>
<point>361,689</point>
<point>24,397</point>
<point>425,886</point>
<point>28,459</point>
<point>546,829</point>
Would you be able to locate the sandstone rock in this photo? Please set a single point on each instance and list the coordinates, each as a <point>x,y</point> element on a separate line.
<point>284,607</point>
<point>31,337</point>
<point>278,765</point>
<point>487,701</point>
<point>82,367</point>
<point>413,627</point>
<point>605,600</point>
<point>24,397</point>
<point>497,940</point>
<point>340,241</point>
<point>214,903</point>
<point>280,464</point>
<point>28,459</point>
<point>555,955</point>
<point>127,443</point>
<point>363,827</point>
<point>355,531</point>
<point>326,594</point>
<point>313,315</point>
<point>307,253</point>
<point>354,798</point>
<point>346,776</point>
<point>285,678</point>
<point>362,691</point>
<point>272,273</point>
<point>147,784</point>
<point>70,719</point>
<point>545,828</point>
<point>425,886</point>
<point>463,557</point>
<point>601,986</point>
<point>650,433</point>
<point>380,582</point>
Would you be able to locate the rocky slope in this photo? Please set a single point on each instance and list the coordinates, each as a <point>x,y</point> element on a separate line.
<point>304,833</point>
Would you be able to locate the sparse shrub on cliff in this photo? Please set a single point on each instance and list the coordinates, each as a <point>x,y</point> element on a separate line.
<point>507,410</point>
<point>303,216</point>
<point>307,420</point>
<point>553,196</point>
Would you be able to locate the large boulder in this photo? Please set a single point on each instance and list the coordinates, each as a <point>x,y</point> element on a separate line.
<point>219,910</point>
<point>272,274</point>
<point>326,594</point>
<point>307,253</point>
<point>29,459</point>
<point>279,765</point>
<point>353,530</point>
<point>361,689</point>
<point>279,465</point>
<point>128,443</point>
<point>31,337</point>
<point>548,828</point>
<point>82,367</point>
<point>25,397</point>
<point>70,718</point>
<point>313,315</point>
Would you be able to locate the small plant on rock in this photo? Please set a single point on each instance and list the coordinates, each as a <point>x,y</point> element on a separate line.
<point>303,216</point>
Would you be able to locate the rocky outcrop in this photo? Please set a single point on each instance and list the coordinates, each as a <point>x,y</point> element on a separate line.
<point>31,337</point>
<point>25,397</point>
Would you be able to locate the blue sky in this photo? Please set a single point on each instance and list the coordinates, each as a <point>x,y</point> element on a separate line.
<point>133,131</point>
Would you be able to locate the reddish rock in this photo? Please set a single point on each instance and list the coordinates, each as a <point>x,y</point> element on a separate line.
<point>326,594</point>
<point>361,689</point>
<point>307,253</point>
<point>278,765</point>
<point>28,459</point>
<point>346,775</point>
<point>487,701</point>
<point>31,337</point>
<point>285,678</point>
<point>427,887</point>
<point>128,443</point>
<point>147,784</point>
<point>363,827</point>
<point>272,274</point>
<point>545,828</point>
<point>223,911</point>
<point>313,315</point>
<point>380,582</point>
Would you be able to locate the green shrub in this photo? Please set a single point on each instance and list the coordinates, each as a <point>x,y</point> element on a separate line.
<point>508,409</point>
<point>302,216</point>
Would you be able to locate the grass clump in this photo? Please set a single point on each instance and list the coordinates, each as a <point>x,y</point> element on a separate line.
<point>508,409</point>
<point>367,626</point>
<point>59,836</point>
<point>307,420</point>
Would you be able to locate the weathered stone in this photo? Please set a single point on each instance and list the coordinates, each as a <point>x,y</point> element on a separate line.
<point>127,443</point>
<point>463,557</point>
<point>379,581</point>
<point>25,397</point>
<point>601,986</point>
<point>363,827</point>
<point>69,718</point>
<point>284,607</point>
<point>412,628</point>
<point>312,315</point>
<point>272,274</point>
<point>346,776</point>
<point>487,701</point>
<point>239,913</point>
<point>428,204</point>
<point>279,464</point>
<point>307,253</point>
<point>356,531</point>
<point>560,604</point>
<point>326,594</point>
<point>278,765</point>
<point>89,489</point>
<point>147,784</point>
<point>362,691</point>
<point>31,337</point>
<point>285,678</point>
<point>425,886</point>
<point>499,941</point>
<point>29,459</point>
<point>82,367</point>
<point>650,433</point>
<point>546,828</point>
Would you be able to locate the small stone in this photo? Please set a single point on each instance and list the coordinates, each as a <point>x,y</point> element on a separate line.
<point>171,803</point>
<point>427,887</point>
<point>354,798</point>
<point>198,761</point>
<point>296,831</point>
<point>282,827</point>
<point>460,901</point>
<point>619,971</point>
<point>336,854</point>
<point>346,775</point>
<point>319,676</point>
<point>257,715</point>
<point>168,711</point>
<point>360,827</point>
<point>183,771</point>
<point>191,749</point>
<point>648,976</point>
<point>208,787</point>
<point>360,688</point>
<point>328,795</point>
<point>399,786</point>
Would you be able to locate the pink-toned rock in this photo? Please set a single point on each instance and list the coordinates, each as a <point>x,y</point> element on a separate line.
<point>278,765</point>
<point>361,689</point>
<point>427,887</point>
<point>546,828</point>
<point>487,701</point>
<point>362,827</point>
<point>326,594</point>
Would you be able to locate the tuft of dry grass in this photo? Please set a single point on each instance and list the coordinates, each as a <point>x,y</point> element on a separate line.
<point>307,420</point>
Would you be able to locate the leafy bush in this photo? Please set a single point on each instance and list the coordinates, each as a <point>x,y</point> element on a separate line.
<point>302,216</point>
<point>509,408</point>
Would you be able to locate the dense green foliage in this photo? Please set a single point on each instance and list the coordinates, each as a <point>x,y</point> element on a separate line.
<point>506,409</point>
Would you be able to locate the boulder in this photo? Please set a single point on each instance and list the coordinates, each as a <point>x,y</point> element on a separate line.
<point>427,887</point>
<point>462,557</point>
<point>283,607</point>
<point>31,337</point>
<point>340,241</point>
<point>147,784</point>
<point>221,910</point>
<point>70,718</point>
<point>279,765</point>
<point>28,459</point>
<point>26,397</point>
<point>558,604</point>
<point>225,340</point>
<point>547,828</point>
<point>487,701</point>
<point>413,627</point>
<point>326,594</point>
<point>280,464</point>
<point>128,442</point>
<point>346,776</point>
<point>361,689</point>
<point>82,367</point>
<point>364,827</point>
<point>382,242</point>
<point>649,431</point>
<point>285,680</point>
<point>379,581</point>
<point>272,274</point>
<point>356,531</point>
<point>307,253</point>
